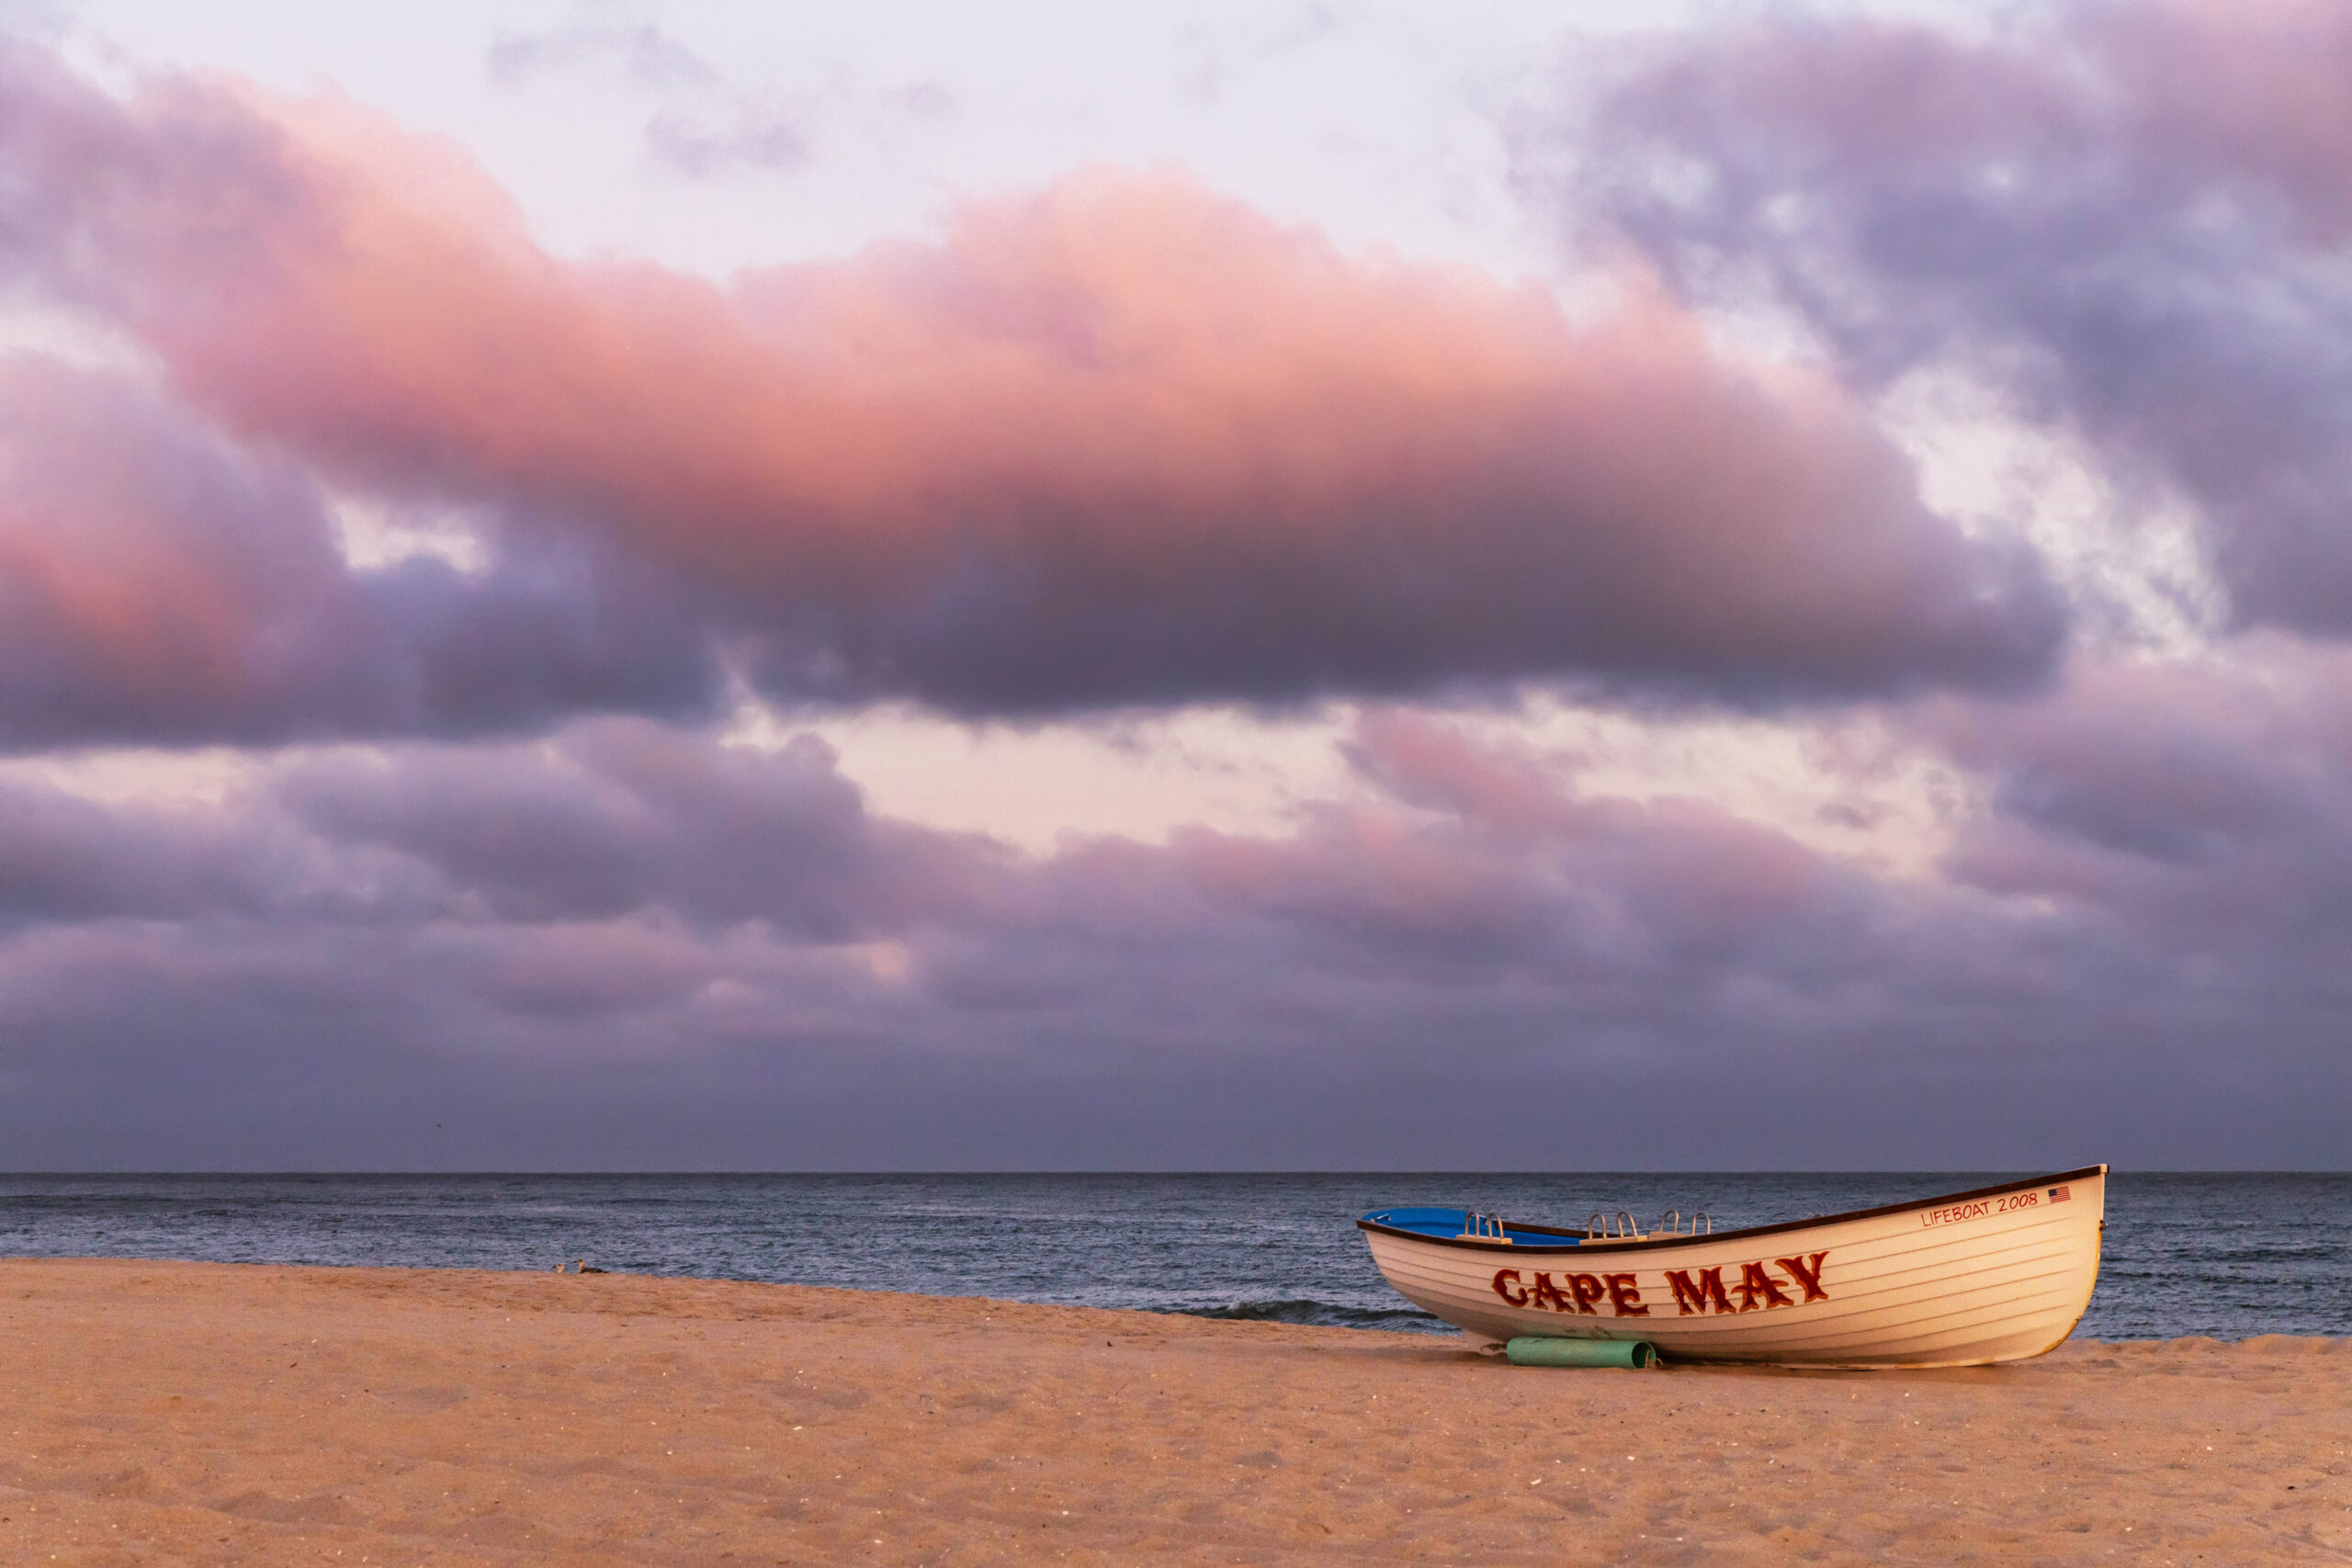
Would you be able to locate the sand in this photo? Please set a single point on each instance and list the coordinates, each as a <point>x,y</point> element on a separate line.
<point>199,1414</point>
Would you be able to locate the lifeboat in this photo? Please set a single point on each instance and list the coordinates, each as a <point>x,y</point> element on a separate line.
<point>1994,1274</point>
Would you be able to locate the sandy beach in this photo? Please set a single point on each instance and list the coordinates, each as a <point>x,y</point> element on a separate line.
<point>196,1413</point>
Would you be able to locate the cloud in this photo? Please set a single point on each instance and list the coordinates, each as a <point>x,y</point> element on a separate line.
<point>761,131</point>
<point>626,816</point>
<point>626,944</point>
<point>769,133</point>
<point>1123,441</point>
<point>65,860</point>
<point>2131,220</point>
<point>2201,808</point>
<point>651,57</point>
<point>159,584</point>
<point>497,895</point>
<point>610,821</point>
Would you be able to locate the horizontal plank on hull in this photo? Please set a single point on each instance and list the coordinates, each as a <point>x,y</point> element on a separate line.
<point>2011,1292</point>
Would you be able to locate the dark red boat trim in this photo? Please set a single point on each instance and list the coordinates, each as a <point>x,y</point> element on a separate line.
<point>1615,1246</point>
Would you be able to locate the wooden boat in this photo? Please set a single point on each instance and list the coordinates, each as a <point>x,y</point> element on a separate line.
<point>1996,1274</point>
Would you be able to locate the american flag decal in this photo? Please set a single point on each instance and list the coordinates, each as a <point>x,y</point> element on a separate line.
<point>2060,1194</point>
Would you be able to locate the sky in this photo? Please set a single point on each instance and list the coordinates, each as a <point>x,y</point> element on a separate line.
<point>1175,586</point>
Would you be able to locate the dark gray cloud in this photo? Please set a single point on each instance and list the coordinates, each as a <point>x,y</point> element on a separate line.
<point>2129,219</point>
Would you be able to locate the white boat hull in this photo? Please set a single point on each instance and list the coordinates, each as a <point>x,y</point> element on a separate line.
<point>1994,1275</point>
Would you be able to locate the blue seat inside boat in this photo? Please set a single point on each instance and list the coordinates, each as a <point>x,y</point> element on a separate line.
<point>1454,1221</point>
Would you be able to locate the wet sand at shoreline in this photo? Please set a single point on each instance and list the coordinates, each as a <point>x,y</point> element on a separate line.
<point>217,1414</point>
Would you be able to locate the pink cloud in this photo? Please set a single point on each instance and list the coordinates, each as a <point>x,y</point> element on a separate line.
<point>160,584</point>
<point>1122,439</point>
<point>2252,90</point>
<point>148,578</point>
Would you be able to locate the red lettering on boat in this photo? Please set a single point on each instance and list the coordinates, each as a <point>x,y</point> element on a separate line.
<point>1806,1274</point>
<point>1690,1298</point>
<point>1587,1289</point>
<point>1755,1283</point>
<point>1548,1294</point>
<point>1626,1296</point>
<point>1506,1281</point>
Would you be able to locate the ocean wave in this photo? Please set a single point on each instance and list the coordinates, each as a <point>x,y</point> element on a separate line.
<point>1325,1314</point>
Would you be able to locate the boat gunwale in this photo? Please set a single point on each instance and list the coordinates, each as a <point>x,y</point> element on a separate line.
<point>1616,1244</point>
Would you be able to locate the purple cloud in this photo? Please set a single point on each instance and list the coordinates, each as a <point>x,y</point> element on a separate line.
<point>1125,441</point>
<point>2131,220</point>
<point>1478,965</point>
<point>631,818</point>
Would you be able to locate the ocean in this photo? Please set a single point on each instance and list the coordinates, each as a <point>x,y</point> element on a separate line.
<point>2230,1256</point>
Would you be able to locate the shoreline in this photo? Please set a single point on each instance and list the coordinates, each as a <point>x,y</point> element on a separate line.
<point>1442,1331</point>
<point>264,1413</point>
